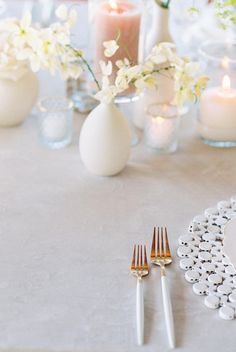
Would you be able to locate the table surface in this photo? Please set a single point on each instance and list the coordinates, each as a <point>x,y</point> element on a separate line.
<point>66,240</point>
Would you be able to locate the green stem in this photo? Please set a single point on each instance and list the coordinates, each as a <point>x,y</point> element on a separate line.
<point>156,71</point>
<point>163,3</point>
<point>85,62</point>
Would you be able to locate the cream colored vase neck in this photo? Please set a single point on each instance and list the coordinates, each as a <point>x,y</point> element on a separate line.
<point>159,29</point>
<point>105,141</point>
<point>18,94</point>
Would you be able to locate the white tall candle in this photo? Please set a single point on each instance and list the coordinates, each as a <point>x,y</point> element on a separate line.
<point>218,113</point>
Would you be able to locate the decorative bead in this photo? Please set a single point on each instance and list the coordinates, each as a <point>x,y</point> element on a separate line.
<point>205,246</point>
<point>220,221</point>
<point>226,313</point>
<point>223,299</point>
<point>226,261</point>
<point>200,220</point>
<point>230,270</point>
<point>208,267</point>
<point>200,289</point>
<point>186,263</point>
<point>209,237</point>
<point>233,199</point>
<point>232,297</point>
<point>204,261</point>
<point>224,289</point>
<point>182,251</point>
<point>213,229</point>
<point>192,276</point>
<point>211,211</point>
<point>215,278</point>
<point>223,204</point>
<point>184,240</point>
<point>212,302</point>
<point>206,256</point>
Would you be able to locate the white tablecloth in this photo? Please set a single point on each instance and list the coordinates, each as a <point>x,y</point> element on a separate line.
<point>66,239</point>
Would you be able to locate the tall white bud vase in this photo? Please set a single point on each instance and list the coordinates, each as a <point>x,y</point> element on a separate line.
<point>105,141</point>
<point>159,27</point>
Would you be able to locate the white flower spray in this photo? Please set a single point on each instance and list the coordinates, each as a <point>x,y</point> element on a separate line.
<point>22,43</point>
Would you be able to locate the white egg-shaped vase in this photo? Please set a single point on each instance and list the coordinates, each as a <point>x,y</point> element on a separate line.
<point>18,95</point>
<point>105,141</point>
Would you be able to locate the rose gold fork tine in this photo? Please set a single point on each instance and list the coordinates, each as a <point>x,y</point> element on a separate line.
<point>145,258</point>
<point>138,266</point>
<point>162,243</point>
<point>133,260</point>
<point>158,242</point>
<point>153,250</point>
<point>167,244</point>
<point>141,256</point>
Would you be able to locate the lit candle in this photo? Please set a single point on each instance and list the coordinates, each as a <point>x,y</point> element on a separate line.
<point>118,19</point>
<point>217,120</point>
<point>161,127</point>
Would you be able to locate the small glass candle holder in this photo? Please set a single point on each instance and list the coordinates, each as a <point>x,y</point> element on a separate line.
<point>217,110</point>
<point>55,122</point>
<point>161,128</point>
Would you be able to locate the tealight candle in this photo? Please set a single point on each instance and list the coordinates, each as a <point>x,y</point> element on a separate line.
<point>161,127</point>
<point>217,120</point>
<point>55,122</point>
<point>118,20</point>
<point>54,126</point>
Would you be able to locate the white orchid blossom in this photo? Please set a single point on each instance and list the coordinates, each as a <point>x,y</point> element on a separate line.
<point>63,14</point>
<point>162,60</point>
<point>111,48</point>
<point>106,68</point>
<point>22,43</point>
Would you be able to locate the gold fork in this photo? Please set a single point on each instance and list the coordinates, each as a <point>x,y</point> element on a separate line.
<point>160,255</point>
<point>139,268</point>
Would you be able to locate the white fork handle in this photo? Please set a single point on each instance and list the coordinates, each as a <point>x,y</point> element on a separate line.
<point>140,312</point>
<point>168,311</point>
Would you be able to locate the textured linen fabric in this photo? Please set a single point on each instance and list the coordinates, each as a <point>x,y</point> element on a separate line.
<point>66,240</point>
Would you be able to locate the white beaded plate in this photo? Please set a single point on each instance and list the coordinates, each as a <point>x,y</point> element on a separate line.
<point>205,264</point>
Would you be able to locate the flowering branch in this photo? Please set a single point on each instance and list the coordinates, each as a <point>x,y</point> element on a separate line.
<point>163,58</point>
<point>50,48</point>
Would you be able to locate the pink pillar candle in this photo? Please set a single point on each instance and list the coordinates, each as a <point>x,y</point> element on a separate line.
<point>117,19</point>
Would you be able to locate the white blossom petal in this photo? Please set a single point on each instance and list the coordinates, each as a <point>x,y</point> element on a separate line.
<point>62,12</point>
<point>111,48</point>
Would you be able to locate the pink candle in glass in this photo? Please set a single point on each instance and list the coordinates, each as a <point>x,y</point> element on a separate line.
<point>115,19</point>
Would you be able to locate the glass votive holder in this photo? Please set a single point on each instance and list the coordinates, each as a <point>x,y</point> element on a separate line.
<point>55,122</point>
<point>161,128</point>
<point>217,109</point>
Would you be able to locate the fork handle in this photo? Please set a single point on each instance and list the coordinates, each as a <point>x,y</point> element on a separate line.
<point>168,311</point>
<point>140,311</point>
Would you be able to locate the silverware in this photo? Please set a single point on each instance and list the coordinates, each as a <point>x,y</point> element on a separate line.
<point>139,268</point>
<point>160,255</point>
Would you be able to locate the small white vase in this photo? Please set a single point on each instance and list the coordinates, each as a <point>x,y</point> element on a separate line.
<point>18,94</point>
<point>159,28</point>
<point>105,141</point>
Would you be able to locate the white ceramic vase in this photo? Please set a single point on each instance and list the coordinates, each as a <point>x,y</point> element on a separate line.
<point>105,141</point>
<point>159,28</point>
<point>18,94</point>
